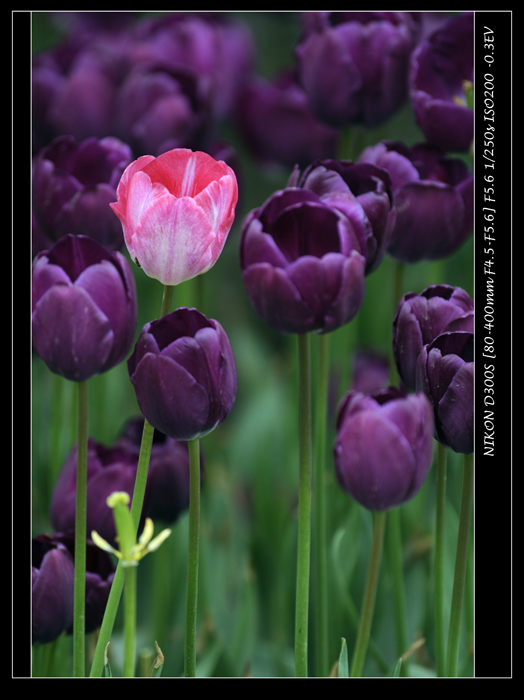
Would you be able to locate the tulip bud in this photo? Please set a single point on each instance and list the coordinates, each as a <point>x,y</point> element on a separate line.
<point>445,373</point>
<point>184,374</point>
<point>84,308</point>
<point>384,446</point>
<point>421,317</point>
<point>176,212</point>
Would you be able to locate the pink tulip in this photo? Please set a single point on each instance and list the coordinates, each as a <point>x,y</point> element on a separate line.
<point>176,211</point>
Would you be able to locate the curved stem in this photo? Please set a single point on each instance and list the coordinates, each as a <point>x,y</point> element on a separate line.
<point>319,521</point>
<point>80,534</point>
<point>167,300</point>
<point>192,559</point>
<point>368,607</point>
<point>440,637</point>
<point>304,508</point>
<point>457,598</point>
<point>118,581</point>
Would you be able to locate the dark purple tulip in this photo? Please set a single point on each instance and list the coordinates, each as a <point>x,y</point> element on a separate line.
<point>354,65</point>
<point>100,572</point>
<point>361,191</point>
<point>440,76</point>
<point>445,373</point>
<point>433,198</point>
<point>167,487</point>
<point>301,263</point>
<point>384,447</point>
<point>184,374</point>
<point>73,185</point>
<point>159,107</point>
<point>108,470</point>
<point>216,46</point>
<point>52,568</point>
<point>84,308</point>
<point>276,122</point>
<point>73,89</point>
<point>421,317</point>
<point>114,468</point>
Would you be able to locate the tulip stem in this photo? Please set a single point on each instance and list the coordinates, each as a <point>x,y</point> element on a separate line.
<point>457,597</point>
<point>304,508</point>
<point>130,573</point>
<point>80,533</point>
<point>167,300</point>
<point>440,638</point>
<point>320,540</point>
<point>394,541</point>
<point>192,559</point>
<point>118,581</point>
<point>359,656</point>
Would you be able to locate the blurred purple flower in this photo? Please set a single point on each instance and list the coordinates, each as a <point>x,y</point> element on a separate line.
<point>159,107</point>
<point>441,75</point>
<point>370,372</point>
<point>433,198</point>
<point>73,185</point>
<point>276,122</point>
<point>114,468</point>
<point>420,318</point>
<point>301,263</point>
<point>445,373</point>
<point>384,447</point>
<point>354,65</point>
<point>184,374</point>
<point>84,307</point>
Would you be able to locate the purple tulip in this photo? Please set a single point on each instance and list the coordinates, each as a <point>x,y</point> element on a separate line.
<point>433,198</point>
<point>301,263</point>
<point>361,191</point>
<point>420,318</point>
<point>276,122</point>
<point>111,469</point>
<point>184,374</point>
<point>216,46</point>
<point>73,185</point>
<point>159,107</point>
<point>445,373</point>
<point>384,447</point>
<point>84,308</point>
<point>52,570</point>
<point>354,65</point>
<point>441,75</point>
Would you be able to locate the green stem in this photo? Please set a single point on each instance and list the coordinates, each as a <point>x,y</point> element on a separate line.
<point>167,300</point>
<point>394,540</point>
<point>440,636</point>
<point>130,574</point>
<point>118,581</point>
<point>80,534</point>
<point>457,597</point>
<point>368,606</point>
<point>320,538</point>
<point>192,559</point>
<point>304,508</point>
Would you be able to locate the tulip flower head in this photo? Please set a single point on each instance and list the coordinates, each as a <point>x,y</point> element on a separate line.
<point>176,212</point>
<point>184,374</point>
<point>384,446</point>
<point>84,307</point>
